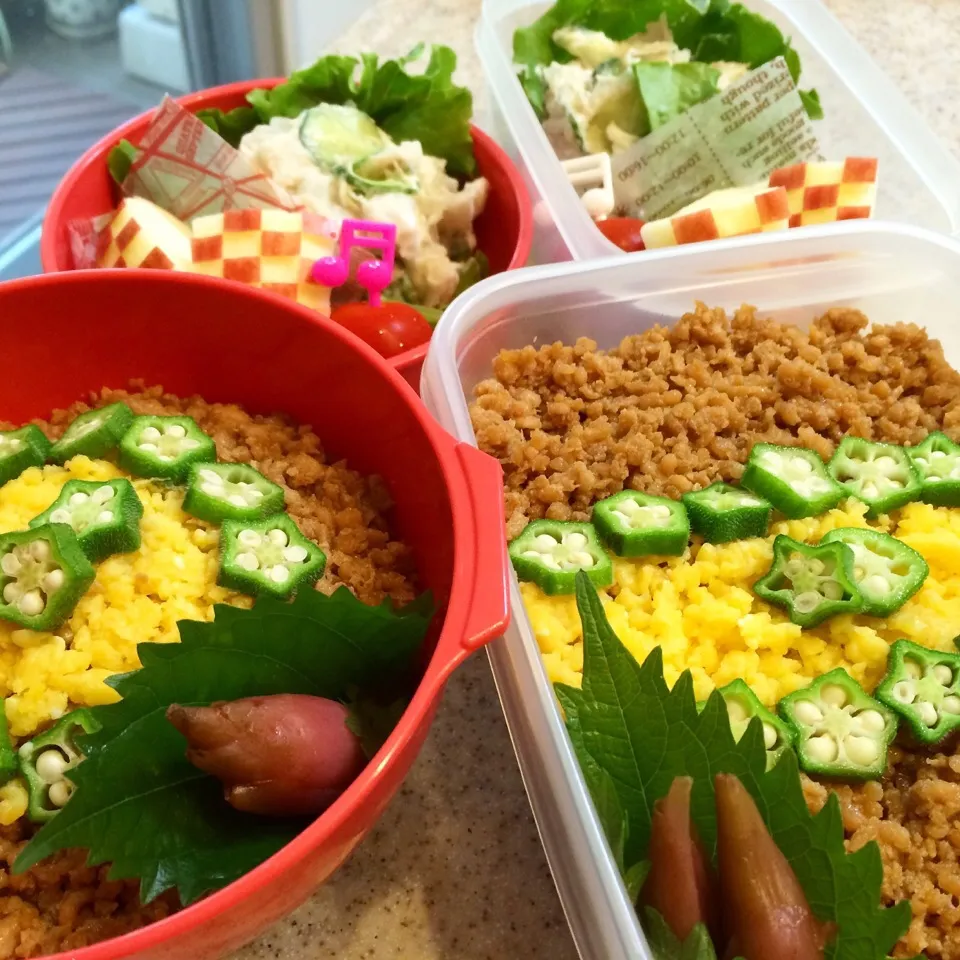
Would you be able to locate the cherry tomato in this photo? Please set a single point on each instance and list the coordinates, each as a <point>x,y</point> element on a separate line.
<point>623,231</point>
<point>390,328</point>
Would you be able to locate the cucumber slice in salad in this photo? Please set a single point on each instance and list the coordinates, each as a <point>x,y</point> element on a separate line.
<point>337,135</point>
<point>345,141</point>
<point>382,173</point>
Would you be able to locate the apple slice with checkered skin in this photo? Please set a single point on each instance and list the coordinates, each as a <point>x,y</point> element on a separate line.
<point>723,213</point>
<point>266,248</point>
<point>141,234</point>
<point>827,191</point>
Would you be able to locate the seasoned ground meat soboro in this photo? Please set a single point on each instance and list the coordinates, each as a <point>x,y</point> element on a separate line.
<point>914,815</point>
<point>669,411</point>
<point>62,905</point>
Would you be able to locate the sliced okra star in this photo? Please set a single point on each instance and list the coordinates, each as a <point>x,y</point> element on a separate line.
<point>742,706</point>
<point>635,524</point>
<point>20,449</point>
<point>841,731</point>
<point>886,570</point>
<point>879,474</point>
<point>46,760</point>
<point>164,447</point>
<point>93,433</point>
<point>43,573</point>
<point>9,767</point>
<point>923,687</point>
<point>793,479</point>
<point>230,491</point>
<point>722,513</point>
<point>937,461</point>
<point>268,556</point>
<point>549,553</point>
<point>105,516</point>
<point>811,583</point>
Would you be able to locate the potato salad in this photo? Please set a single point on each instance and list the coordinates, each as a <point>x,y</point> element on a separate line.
<point>596,102</point>
<point>338,163</point>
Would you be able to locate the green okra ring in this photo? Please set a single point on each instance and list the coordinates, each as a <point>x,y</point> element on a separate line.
<point>743,705</point>
<point>105,516</point>
<point>793,479</point>
<point>841,731</point>
<point>43,574</point>
<point>21,449</point>
<point>230,491</point>
<point>9,766</point>
<point>268,556</point>
<point>887,571</point>
<point>812,583</point>
<point>881,475</point>
<point>937,461</point>
<point>923,687</point>
<point>635,524</point>
<point>164,447</point>
<point>93,434</point>
<point>550,553</point>
<point>722,513</point>
<point>46,760</point>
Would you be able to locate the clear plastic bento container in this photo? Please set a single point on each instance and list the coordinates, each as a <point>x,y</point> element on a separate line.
<point>891,272</point>
<point>865,115</point>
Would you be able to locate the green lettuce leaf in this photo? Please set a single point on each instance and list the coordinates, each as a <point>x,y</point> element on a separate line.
<point>535,88</point>
<point>730,31</point>
<point>671,89</point>
<point>142,807</point>
<point>472,270</point>
<point>618,19</point>
<point>426,106</point>
<point>627,723</point>
<point>326,81</point>
<point>431,314</point>
<point>231,125</point>
<point>712,30</point>
<point>120,159</point>
<point>811,103</point>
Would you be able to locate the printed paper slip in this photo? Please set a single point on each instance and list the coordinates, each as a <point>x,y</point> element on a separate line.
<point>191,171</point>
<point>735,139</point>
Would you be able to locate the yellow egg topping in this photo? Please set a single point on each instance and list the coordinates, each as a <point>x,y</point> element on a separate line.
<point>701,610</point>
<point>136,598</point>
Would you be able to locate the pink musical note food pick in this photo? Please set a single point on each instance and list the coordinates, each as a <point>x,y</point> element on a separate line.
<point>373,275</point>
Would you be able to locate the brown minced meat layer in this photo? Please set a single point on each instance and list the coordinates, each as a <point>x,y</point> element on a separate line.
<point>914,816</point>
<point>62,905</point>
<point>672,410</point>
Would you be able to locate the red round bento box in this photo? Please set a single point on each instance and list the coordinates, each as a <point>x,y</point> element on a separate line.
<point>195,335</point>
<point>504,229</point>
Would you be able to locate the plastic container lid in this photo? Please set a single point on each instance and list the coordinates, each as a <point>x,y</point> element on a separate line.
<point>866,115</point>
<point>891,272</point>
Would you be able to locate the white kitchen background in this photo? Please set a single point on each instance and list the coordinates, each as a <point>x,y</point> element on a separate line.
<point>71,70</point>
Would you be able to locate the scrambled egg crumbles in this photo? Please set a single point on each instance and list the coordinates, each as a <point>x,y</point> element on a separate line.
<point>136,598</point>
<point>700,609</point>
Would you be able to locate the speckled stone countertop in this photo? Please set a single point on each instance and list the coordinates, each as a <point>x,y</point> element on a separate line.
<point>454,870</point>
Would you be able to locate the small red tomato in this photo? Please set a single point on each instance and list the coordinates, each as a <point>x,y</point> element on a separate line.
<point>390,328</point>
<point>623,231</point>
